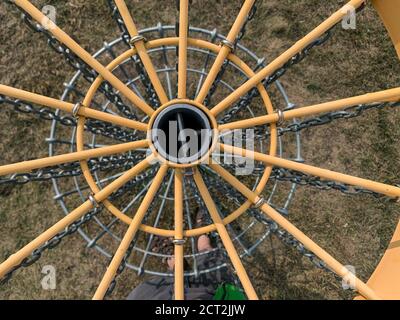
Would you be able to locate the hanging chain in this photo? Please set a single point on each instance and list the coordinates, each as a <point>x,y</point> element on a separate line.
<point>50,244</point>
<point>151,94</point>
<point>246,100</point>
<point>348,113</point>
<point>94,126</point>
<point>235,197</point>
<point>288,239</point>
<point>303,179</point>
<point>78,64</point>
<point>150,172</point>
<point>120,22</point>
<point>239,37</point>
<point>128,252</point>
<point>262,132</point>
<point>73,169</point>
<point>73,227</point>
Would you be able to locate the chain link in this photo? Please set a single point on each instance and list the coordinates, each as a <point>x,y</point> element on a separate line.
<point>73,169</point>
<point>246,100</point>
<point>235,197</point>
<point>348,113</point>
<point>303,179</point>
<point>94,126</point>
<point>131,246</point>
<point>78,64</point>
<point>50,244</point>
<point>151,94</point>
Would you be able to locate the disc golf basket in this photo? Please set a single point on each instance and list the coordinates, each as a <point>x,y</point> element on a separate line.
<point>123,190</point>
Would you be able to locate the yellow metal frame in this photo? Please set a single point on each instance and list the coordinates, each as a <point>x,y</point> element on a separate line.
<point>385,281</point>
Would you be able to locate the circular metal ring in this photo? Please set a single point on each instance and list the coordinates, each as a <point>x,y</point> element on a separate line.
<point>76,108</point>
<point>281,117</point>
<point>135,39</point>
<point>93,201</point>
<point>259,202</point>
<point>179,242</point>
<point>228,44</point>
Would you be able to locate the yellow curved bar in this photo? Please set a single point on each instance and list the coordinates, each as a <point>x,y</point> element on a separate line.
<point>389,11</point>
<point>174,41</point>
<point>385,280</point>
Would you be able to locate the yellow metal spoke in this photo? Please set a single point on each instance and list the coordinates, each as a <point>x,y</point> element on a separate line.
<point>182,48</point>
<point>179,241</point>
<point>74,215</point>
<point>85,56</point>
<point>130,234</point>
<point>378,187</point>
<point>69,107</point>
<point>139,43</point>
<point>331,262</point>
<point>226,240</point>
<point>225,50</point>
<point>283,58</point>
<point>26,166</point>
<point>380,96</point>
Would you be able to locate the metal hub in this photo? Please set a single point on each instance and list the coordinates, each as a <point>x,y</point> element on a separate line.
<point>181,133</point>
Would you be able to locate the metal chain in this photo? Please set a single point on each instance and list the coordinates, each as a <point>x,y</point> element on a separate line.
<point>262,132</point>
<point>50,244</point>
<point>288,239</point>
<point>105,163</point>
<point>151,94</point>
<point>225,65</point>
<point>348,113</point>
<point>78,64</point>
<point>120,22</point>
<point>303,179</point>
<point>128,252</point>
<point>94,126</point>
<point>150,172</point>
<point>234,197</point>
<point>246,100</point>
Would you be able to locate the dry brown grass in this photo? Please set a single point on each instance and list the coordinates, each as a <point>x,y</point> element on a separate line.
<point>356,230</point>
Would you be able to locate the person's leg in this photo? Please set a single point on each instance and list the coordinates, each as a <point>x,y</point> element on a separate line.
<point>171,263</point>
<point>204,243</point>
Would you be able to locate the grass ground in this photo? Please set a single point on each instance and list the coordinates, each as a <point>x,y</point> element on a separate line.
<point>356,230</point>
